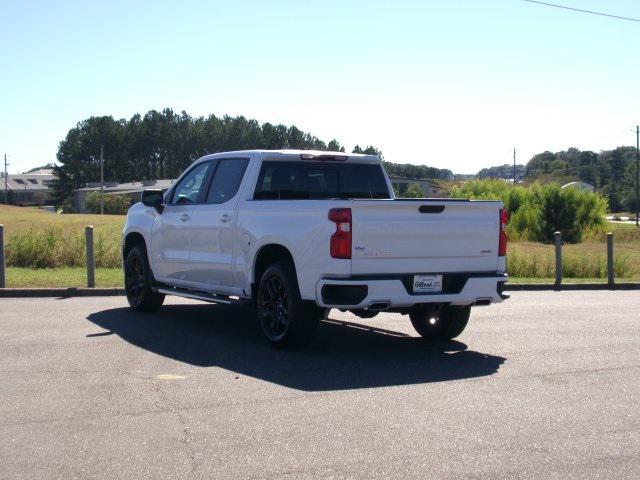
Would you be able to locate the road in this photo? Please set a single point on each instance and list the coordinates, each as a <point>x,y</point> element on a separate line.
<point>546,385</point>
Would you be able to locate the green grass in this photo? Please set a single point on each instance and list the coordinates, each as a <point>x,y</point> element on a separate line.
<point>55,244</point>
<point>20,219</point>
<point>550,281</point>
<point>40,239</point>
<point>61,277</point>
<point>583,260</point>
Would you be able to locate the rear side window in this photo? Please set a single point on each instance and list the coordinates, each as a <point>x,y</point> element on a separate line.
<point>319,180</point>
<point>226,180</point>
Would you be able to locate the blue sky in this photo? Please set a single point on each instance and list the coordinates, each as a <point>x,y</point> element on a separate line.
<point>454,84</point>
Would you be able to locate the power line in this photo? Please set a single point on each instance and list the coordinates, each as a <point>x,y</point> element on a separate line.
<point>583,11</point>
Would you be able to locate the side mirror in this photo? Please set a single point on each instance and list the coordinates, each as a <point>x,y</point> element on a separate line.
<point>152,197</point>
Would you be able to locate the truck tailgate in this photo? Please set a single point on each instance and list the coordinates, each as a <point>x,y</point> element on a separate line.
<point>424,236</point>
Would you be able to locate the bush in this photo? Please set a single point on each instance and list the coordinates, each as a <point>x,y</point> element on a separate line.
<point>67,205</point>
<point>113,204</point>
<point>9,198</point>
<point>53,247</point>
<point>413,191</point>
<point>537,211</point>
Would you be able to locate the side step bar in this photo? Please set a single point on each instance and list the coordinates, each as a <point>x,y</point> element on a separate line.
<point>196,295</point>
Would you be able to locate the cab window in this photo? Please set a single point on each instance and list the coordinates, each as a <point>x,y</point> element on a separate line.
<point>191,187</point>
<point>227,179</point>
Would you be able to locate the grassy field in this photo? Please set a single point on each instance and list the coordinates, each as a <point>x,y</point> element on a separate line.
<point>55,244</point>
<point>583,260</point>
<point>61,277</point>
<point>23,219</point>
<point>36,238</point>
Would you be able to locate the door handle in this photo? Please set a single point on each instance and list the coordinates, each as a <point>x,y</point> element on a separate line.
<point>225,218</point>
<point>184,217</point>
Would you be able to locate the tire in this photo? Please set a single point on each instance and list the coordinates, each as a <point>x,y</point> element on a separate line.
<point>445,324</point>
<point>138,280</point>
<point>286,320</point>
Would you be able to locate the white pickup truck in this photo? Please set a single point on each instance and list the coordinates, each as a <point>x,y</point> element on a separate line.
<point>300,232</point>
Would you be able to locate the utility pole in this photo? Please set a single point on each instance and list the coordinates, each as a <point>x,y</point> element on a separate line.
<point>101,180</point>
<point>514,166</point>
<point>6,181</point>
<point>637,175</point>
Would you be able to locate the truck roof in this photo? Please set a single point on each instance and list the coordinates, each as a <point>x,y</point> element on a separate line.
<point>286,155</point>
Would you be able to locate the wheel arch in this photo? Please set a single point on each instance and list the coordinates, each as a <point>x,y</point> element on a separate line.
<point>265,256</point>
<point>130,240</point>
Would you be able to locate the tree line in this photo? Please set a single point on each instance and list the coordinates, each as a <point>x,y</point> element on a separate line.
<point>407,170</point>
<point>611,172</point>
<point>161,144</point>
<point>503,171</point>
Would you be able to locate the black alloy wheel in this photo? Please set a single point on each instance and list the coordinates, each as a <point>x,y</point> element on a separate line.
<point>286,320</point>
<point>137,282</point>
<point>274,307</point>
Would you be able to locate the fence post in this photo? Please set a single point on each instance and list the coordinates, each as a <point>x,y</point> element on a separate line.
<point>557,237</point>
<point>3,278</point>
<point>610,263</point>
<point>91,259</point>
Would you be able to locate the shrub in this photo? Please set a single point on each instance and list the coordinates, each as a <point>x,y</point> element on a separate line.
<point>413,191</point>
<point>9,198</point>
<point>67,205</point>
<point>537,211</point>
<point>113,204</point>
<point>53,247</point>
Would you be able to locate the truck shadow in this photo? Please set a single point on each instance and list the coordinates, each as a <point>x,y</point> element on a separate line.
<point>345,355</point>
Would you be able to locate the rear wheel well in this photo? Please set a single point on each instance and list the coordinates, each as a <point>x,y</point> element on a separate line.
<point>130,241</point>
<point>268,255</point>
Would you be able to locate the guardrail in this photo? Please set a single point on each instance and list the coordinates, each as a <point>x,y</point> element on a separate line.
<point>91,260</point>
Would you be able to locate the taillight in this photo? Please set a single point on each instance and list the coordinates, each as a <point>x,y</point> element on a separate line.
<point>340,245</point>
<point>502,246</point>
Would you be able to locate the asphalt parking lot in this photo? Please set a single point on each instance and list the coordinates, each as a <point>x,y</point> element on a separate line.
<point>546,385</point>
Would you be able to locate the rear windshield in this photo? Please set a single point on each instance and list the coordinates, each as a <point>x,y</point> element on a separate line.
<point>318,180</point>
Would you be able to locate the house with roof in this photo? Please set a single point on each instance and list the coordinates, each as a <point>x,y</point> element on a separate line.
<point>133,190</point>
<point>33,188</point>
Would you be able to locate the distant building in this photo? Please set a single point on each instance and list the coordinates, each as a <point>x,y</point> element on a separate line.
<point>33,188</point>
<point>580,185</point>
<point>133,190</point>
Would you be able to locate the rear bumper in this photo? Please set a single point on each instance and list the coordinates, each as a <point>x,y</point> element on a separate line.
<point>395,292</point>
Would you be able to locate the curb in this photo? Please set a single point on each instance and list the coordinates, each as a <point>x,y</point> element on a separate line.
<point>112,292</point>
<point>59,292</point>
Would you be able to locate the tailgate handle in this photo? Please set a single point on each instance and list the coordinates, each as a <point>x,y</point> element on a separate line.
<point>431,208</point>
